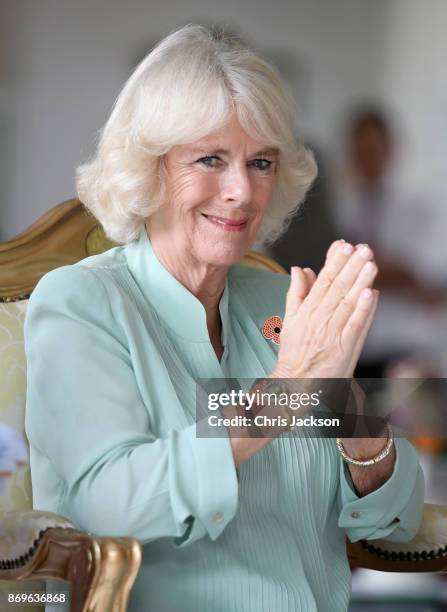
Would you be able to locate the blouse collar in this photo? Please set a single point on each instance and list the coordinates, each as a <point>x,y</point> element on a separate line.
<point>179,309</point>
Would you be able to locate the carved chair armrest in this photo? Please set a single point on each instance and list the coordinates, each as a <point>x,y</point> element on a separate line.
<point>40,546</point>
<point>426,552</point>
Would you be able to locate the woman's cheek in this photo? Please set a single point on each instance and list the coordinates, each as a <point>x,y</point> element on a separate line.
<point>210,185</point>
<point>265,195</point>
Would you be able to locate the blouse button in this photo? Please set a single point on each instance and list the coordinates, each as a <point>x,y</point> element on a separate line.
<point>218,517</point>
<point>356,514</point>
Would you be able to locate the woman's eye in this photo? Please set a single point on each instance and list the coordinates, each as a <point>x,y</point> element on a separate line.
<point>261,164</point>
<point>211,161</point>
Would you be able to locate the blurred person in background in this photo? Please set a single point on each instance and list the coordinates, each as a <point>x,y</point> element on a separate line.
<point>402,226</point>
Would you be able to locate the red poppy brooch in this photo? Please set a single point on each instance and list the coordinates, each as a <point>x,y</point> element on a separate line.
<point>272,328</point>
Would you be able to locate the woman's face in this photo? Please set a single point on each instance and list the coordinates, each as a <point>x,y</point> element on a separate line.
<point>218,190</point>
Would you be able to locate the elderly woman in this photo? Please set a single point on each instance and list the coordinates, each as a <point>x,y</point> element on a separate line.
<point>197,160</point>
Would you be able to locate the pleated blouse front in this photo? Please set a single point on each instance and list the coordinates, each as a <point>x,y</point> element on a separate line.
<point>114,448</point>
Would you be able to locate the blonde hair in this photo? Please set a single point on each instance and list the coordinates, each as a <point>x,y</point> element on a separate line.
<point>184,89</point>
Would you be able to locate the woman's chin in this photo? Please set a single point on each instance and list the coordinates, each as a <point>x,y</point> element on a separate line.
<point>222,255</point>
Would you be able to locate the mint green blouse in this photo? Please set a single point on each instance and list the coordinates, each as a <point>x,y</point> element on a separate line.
<point>114,346</point>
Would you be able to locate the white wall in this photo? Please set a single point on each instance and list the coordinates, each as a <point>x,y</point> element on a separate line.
<point>414,83</point>
<point>64,63</point>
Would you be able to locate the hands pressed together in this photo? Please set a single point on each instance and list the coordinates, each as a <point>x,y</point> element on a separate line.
<point>328,317</point>
<point>325,326</point>
<point>326,322</point>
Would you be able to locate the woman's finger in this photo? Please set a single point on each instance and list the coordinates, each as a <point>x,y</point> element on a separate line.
<point>334,264</point>
<point>311,277</point>
<point>347,305</point>
<point>345,281</point>
<point>360,321</point>
<point>333,246</point>
<point>369,322</point>
<point>362,337</point>
<point>298,290</point>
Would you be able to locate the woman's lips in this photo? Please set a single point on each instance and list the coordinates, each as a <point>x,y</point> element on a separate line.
<point>229,225</point>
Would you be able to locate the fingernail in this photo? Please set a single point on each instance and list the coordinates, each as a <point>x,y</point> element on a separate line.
<point>365,252</point>
<point>347,249</point>
<point>368,268</point>
<point>366,294</point>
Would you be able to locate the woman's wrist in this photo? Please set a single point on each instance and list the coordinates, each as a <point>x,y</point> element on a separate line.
<point>245,441</point>
<point>270,410</point>
<point>262,423</point>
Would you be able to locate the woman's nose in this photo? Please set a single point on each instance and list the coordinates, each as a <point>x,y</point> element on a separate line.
<point>236,186</point>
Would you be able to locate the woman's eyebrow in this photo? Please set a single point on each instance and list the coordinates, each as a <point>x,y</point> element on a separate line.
<point>266,152</point>
<point>210,151</point>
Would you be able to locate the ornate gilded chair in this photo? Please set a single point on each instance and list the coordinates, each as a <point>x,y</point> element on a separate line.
<point>37,546</point>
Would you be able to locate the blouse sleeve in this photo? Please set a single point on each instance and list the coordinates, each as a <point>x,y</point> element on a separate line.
<point>394,510</point>
<point>85,414</point>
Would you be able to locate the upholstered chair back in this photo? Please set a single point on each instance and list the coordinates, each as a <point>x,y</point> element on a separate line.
<point>15,492</point>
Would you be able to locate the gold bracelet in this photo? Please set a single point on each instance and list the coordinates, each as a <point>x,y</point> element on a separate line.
<point>383,453</point>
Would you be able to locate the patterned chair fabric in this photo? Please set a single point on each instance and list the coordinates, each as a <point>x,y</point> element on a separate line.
<point>17,494</point>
